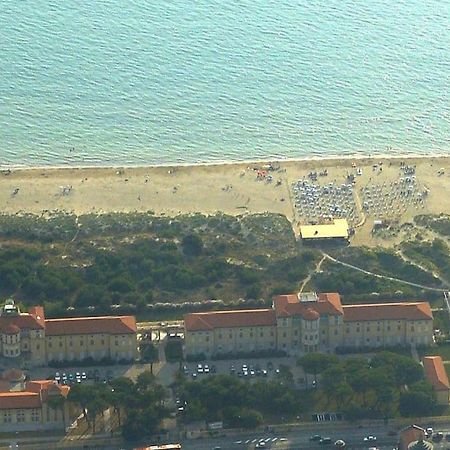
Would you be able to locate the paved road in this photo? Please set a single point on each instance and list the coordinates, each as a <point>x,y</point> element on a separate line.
<point>299,440</point>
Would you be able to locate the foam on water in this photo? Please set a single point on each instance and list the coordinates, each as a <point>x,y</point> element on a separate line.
<point>146,82</point>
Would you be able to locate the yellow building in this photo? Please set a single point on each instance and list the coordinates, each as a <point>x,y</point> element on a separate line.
<point>308,322</point>
<point>32,405</point>
<point>387,324</point>
<point>338,230</point>
<point>29,339</point>
<point>230,331</point>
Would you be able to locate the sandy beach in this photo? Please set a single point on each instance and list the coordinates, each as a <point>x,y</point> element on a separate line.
<point>238,188</point>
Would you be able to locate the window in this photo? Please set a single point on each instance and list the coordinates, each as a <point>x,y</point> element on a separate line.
<point>49,345</point>
<point>207,338</point>
<point>399,327</point>
<point>92,341</point>
<point>70,344</point>
<point>284,334</point>
<point>7,417</point>
<point>220,335</point>
<point>389,328</point>
<point>37,347</point>
<point>81,343</point>
<point>230,336</point>
<point>35,415</point>
<point>251,333</point>
<point>412,327</point>
<point>347,331</point>
<point>240,334</point>
<point>20,416</point>
<point>103,342</point>
<point>261,334</point>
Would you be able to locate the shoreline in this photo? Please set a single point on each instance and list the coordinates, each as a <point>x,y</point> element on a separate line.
<point>240,188</point>
<point>328,159</point>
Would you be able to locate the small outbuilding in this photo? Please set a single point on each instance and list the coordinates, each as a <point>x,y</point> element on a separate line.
<point>435,373</point>
<point>337,230</point>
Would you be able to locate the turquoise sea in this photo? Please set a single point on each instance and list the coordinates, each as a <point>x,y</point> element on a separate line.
<point>105,82</point>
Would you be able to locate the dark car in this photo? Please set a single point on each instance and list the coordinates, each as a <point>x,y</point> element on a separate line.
<point>325,441</point>
<point>437,437</point>
<point>315,437</point>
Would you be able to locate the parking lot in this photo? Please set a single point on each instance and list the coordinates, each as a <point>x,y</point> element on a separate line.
<point>249,369</point>
<point>70,377</point>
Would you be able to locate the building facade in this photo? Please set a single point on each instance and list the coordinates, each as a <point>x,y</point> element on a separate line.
<point>32,405</point>
<point>309,322</point>
<point>29,339</point>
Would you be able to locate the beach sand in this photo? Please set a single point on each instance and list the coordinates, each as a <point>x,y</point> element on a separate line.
<point>229,188</point>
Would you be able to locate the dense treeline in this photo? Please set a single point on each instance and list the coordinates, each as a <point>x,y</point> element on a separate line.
<point>388,385</point>
<point>133,263</point>
<point>140,406</point>
<point>184,259</point>
<point>239,404</point>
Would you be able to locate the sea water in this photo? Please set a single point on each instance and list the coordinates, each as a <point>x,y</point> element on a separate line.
<point>103,82</point>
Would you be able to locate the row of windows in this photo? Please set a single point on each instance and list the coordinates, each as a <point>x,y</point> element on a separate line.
<point>388,328</point>
<point>20,416</point>
<point>13,352</point>
<point>61,344</point>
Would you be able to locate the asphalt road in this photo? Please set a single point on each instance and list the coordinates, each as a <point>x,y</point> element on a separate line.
<point>299,440</point>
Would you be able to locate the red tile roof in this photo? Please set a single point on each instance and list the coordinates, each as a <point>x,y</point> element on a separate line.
<point>10,328</point>
<point>229,319</point>
<point>38,313</point>
<point>435,372</point>
<point>310,314</point>
<point>91,325</point>
<point>35,393</point>
<point>23,321</point>
<point>290,305</point>
<point>388,311</point>
<point>19,400</point>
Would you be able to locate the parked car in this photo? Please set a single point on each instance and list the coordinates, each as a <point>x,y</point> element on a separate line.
<point>370,438</point>
<point>315,437</point>
<point>325,441</point>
